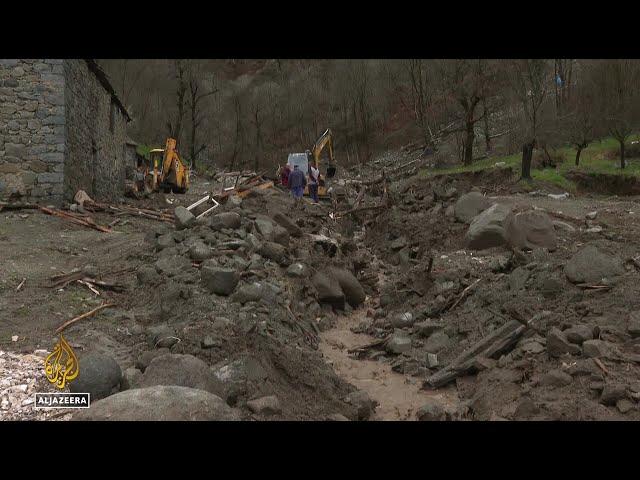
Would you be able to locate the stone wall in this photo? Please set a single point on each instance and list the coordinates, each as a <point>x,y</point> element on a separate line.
<point>95,136</point>
<point>32,139</point>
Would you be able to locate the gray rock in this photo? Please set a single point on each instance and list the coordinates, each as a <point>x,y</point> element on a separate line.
<point>363,404</point>
<point>530,229</point>
<point>432,411</point>
<point>353,291</point>
<point>590,265</point>
<point>280,235</point>
<point>230,220</point>
<point>427,327</point>
<point>336,417</point>
<point>269,405</point>
<point>210,342</point>
<point>184,218</point>
<point>274,251</point>
<point>131,378</point>
<point>579,334</point>
<point>597,349</point>
<point>470,205</point>
<point>558,225</point>
<point>556,378</point>
<point>236,376</point>
<point>526,408</point>
<point>287,223</point>
<point>612,393</point>
<point>160,403</point>
<point>297,270</point>
<point>431,360</point>
<point>518,278</point>
<point>164,241</point>
<point>533,348</point>
<point>402,320</point>
<point>145,358</point>
<point>183,371</point>
<point>147,275</point>
<point>624,405</point>
<point>172,265</point>
<point>329,290</point>
<point>98,375</point>
<point>591,215</point>
<point>221,281</point>
<point>487,229</point>
<point>200,251</point>
<point>437,342</point>
<point>398,244</point>
<point>257,291</point>
<point>399,342</point>
<point>444,192</point>
<point>557,344</point>
<point>264,226</point>
<point>161,336</point>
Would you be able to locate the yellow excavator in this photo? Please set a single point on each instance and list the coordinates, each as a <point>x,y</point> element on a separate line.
<point>167,171</point>
<point>313,157</point>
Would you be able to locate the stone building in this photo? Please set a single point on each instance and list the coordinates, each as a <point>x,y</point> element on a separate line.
<point>62,129</point>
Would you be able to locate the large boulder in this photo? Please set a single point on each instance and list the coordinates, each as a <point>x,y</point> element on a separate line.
<point>329,290</point>
<point>181,370</point>
<point>470,205</point>
<point>172,265</point>
<point>230,220</point>
<point>590,265</point>
<point>353,291</point>
<point>99,375</point>
<point>487,229</point>
<point>531,229</point>
<point>160,403</point>
<point>239,377</point>
<point>221,281</point>
<point>200,251</point>
<point>284,221</point>
<point>274,251</point>
<point>183,218</point>
<point>264,226</point>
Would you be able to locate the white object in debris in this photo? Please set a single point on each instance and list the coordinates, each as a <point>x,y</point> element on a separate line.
<point>561,196</point>
<point>499,164</point>
<point>14,338</point>
<point>596,229</point>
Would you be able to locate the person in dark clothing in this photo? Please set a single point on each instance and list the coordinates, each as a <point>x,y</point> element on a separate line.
<point>284,176</point>
<point>314,175</point>
<point>297,182</point>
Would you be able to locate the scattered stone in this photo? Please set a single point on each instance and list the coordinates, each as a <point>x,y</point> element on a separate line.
<point>336,417</point>
<point>470,205</point>
<point>221,281</point>
<point>398,244</point>
<point>556,378</point>
<point>265,405</point>
<point>558,225</point>
<point>437,341</point>
<point>297,270</point>
<point>364,405</point>
<point>329,291</point>
<point>145,358</point>
<point>402,320</point>
<point>487,229</point>
<point>579,334</point>
<point>427,327</point>
<point>591,215</point>
<point>173,265</point>
<point>183,371</point>
<point>557,344</point>
<point>353,291</point>
<point>444,192</point>
<point>284,221</point>
<point>165,241</point>
<point>160,403</point>
<point>590,265</point>
<point>624,405</point>
<point>224,220</point>
<point>431,360</point>
<point>530,229</point>
<point>184,218</point>
<point>597,349</point>
<point>398,343</point>
<point>161,336</point>
<point>99,375</point>
<point>199,251</point>
<point>518,278</point>
<point>209,342</point>
<point>432,411</point>
<point>274,251</point>
<point>131,378</point>
<point>526,408</point>
<point>483,363</point>
<point>533,348</point>
<point>255,292</point>
<point>147,275</point>
<point>611,393</point>
<point>264,226</point>
<point>281,235</point>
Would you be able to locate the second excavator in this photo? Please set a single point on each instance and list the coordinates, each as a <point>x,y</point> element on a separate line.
<point>166,171</point>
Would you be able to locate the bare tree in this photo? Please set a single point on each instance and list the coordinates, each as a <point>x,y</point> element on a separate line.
<point>197,94</point>
<point>174,125</point>
<point>530,82</point>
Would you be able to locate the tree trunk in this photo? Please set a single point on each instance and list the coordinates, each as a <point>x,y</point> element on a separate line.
<point>578,152</point>
<point>468,144</point>
<point>527,154</point>
<point>487,136</point>
<point>622,161</point>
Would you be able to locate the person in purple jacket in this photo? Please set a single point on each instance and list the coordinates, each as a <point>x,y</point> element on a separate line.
<point>297,182</point>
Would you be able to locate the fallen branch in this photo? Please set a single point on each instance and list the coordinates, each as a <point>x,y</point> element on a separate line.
<point>462,295</point>
<point>86,222</point>
<point>21,284</point>
<point>84,315</point>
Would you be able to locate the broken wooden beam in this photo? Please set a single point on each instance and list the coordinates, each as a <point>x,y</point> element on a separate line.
<point>86,222</point>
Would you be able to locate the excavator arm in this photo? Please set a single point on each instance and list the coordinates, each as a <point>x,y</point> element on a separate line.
<point>325,140</point>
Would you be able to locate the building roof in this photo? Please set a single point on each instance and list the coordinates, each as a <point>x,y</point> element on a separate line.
<point>104,81</point>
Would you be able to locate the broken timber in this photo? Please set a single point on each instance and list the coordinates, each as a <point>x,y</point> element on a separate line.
<point>493,345</point>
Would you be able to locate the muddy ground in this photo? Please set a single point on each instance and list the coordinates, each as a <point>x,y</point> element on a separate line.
<point>410,258</point>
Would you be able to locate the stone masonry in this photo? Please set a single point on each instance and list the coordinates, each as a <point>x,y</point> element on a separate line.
<point>62,128</point>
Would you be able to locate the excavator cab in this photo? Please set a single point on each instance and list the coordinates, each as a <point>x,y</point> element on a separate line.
<point>167,171</point>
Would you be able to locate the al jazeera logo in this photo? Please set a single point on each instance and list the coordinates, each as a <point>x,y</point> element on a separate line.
<point>61,367</point>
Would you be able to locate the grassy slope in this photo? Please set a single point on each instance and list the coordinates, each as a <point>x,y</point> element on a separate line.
<point>594,159</point>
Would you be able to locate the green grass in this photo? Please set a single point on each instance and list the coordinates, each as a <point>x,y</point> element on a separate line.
<point>596,158</point>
